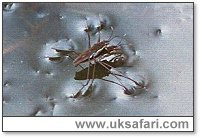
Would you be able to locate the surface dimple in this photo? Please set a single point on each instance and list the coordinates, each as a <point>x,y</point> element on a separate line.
<point>8,6</point>
<point>158,32</point>
<point>6,84</point>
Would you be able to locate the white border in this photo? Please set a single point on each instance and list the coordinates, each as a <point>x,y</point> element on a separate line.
<point>119,123</point>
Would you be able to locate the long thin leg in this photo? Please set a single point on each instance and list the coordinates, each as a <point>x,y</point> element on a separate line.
<point>88,72</point>
<point>99,38</point>
<point>138,84</point>
<point>115,83</point>
<point>98,30</point>
<point>115,75</point>
<point>123,75</point>
<point>92,80</point>
<point>89,44</point>
<point>88,30</point>
<point>78,94</point>
<point>93,73</point>
<point>121,39</point>
<point>110,72</point>
<point>88,80</point>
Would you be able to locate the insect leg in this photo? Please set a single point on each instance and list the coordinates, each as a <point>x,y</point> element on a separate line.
<point>89,44</point>
<point>115,83</point>
<point>109,71</point>
<point>121,40</point>
<point>92,80</point>
<point>79,93</point>
<point>93,73</point>
<point>99,38</point>
<point>126,90</point>
<point>99,28</point>
<point>124,76</point>
<point>88,30</point>
<point>142,85</point>
<point>88,73</point>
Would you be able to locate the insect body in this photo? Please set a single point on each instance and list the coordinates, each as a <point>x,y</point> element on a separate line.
<point>105,57</point>
<point>98,47</point>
